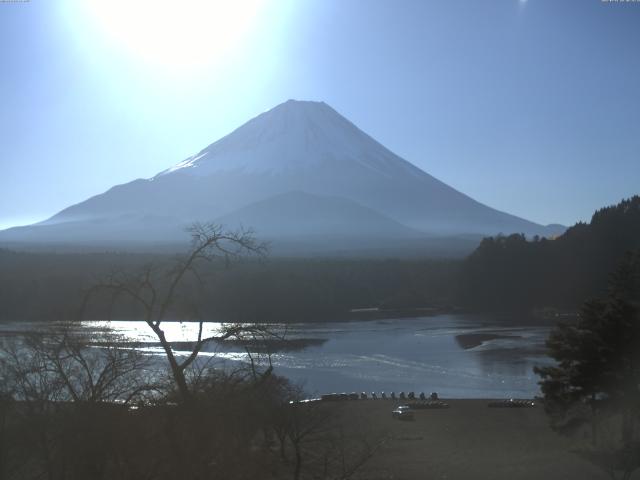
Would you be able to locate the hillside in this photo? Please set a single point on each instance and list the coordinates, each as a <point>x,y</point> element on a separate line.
<point>507,272</point>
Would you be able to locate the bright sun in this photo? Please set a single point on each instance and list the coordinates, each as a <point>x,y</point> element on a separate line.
<point>175,33</point>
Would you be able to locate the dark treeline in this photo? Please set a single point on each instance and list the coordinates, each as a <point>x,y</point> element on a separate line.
<point>39,286</point>
<point>47,286</point>
<point>328,289</point>
<point>504,273</point>
<point>510,272</point>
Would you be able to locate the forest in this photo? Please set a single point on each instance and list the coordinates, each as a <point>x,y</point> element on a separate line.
<point>40,286</point>
<point>505,273</point>
<point>514,273</point>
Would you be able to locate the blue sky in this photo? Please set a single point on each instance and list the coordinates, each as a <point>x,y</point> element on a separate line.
<point>532,107</point>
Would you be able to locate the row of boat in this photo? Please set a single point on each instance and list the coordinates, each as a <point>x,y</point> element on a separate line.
<point>374,396</point>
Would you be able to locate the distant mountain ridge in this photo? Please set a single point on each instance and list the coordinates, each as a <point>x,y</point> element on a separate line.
<point>297,154</point>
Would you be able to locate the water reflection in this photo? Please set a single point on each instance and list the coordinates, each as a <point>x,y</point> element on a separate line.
<point>422,354</point>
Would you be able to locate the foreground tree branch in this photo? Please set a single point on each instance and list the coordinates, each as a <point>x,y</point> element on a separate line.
<point>157,293</point>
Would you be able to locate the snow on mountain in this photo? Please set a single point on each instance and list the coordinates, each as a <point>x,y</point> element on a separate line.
<point>292,136</point>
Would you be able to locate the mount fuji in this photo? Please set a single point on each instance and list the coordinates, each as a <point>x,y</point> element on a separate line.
<point>299,174</point>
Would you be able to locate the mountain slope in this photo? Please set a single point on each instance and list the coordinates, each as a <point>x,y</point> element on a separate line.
<point>299,215</point>
<point>309,146</point>
<point>297,146</point>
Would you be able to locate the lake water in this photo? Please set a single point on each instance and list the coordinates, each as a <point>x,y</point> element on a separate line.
<point>412,354</point>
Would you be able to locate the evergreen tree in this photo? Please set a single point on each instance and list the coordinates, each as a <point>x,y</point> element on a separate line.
<point>596,378</point>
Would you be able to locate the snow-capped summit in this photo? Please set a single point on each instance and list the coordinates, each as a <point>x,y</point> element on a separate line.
<point>292,136</point>
<point>348,188</point>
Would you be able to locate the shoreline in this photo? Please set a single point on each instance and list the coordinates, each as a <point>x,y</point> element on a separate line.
<point>528,317</point>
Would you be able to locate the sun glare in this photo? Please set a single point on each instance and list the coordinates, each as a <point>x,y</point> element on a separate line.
<point>175,33</point>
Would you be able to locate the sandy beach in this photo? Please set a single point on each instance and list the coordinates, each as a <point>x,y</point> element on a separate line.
<point>467,441</point>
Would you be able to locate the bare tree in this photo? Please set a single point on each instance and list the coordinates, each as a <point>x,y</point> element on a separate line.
<point>320,440</point>
<point>65,394</point>
<point>5,402</point>
<point>64,366</point>
<point>158,293</point>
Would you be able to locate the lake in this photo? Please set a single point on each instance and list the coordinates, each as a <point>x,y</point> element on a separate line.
<point>458,356</point>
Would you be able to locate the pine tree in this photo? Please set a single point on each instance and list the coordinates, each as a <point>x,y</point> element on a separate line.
<point>596,377</point>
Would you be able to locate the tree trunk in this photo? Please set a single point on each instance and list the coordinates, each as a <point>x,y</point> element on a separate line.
<point>181,381</point>
<point>298,467</point>
<point>594,429</point>
<point>176,371</point>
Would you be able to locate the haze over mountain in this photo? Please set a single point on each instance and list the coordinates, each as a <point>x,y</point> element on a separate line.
<point>299,172</point>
